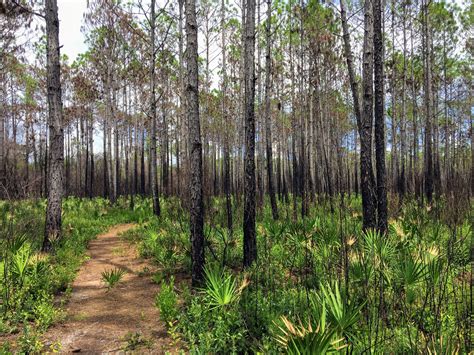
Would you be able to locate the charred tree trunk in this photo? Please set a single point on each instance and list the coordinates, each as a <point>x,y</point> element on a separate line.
<point>379,119</point>
<point>56,133</point>
<point>268,131</point>
<point>153,182</point>
<point>366,170</point>
<point>428,163</point>
<point>192,96</point>
<point>250,241</point>
<point>228,199</point>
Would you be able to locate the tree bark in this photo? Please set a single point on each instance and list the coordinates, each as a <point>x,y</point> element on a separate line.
<point>350,66</point>
<point>2,135</point>
<point>56,133</point>
<point>379,119</point>
<point>366,170</point>
<point>268,131</point>
<point>403,149</point>
<point>196,193</point>
<point>228,199</point>
<point>250,241</point>
<point>428,162</point>
<point>153,182</point>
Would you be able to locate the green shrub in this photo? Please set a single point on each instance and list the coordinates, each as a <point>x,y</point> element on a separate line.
<point>166,301</point>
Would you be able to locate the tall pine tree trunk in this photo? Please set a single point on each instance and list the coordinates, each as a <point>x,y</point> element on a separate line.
<point>268,131</point>
<point>153,182</point>
<point>366,170</point>
<point>192,96</point>
<point>428,163</point>
<point>228,200</point>
<point>250,242</point>
<point>379,119</point>
<point>56,134</point>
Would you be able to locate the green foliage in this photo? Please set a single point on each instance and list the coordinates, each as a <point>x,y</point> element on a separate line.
<point>29,279</point>
<point>135,341</point>
<point>167,302</point>
<point>343,314</point>
<point>393,282</point>
<point>319,285</point>
<point>112,277</point>
<point>212,330</point>
<point>301,339</point>
<point>29,341</point>
<point>220,288</point>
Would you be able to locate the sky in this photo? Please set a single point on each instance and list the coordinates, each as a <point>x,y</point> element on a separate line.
<point>70,13</point>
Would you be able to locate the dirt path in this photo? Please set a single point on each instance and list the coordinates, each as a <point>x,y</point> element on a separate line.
<point>98,320</point>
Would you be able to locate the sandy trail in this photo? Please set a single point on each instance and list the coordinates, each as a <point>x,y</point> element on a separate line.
<point>99,320</point>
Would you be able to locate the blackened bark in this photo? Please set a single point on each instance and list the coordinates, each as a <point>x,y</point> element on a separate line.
<point>192,104</point>
<point>302,129</point>
<point>250,242</point>
<point>228,200</point>
<point>106,178</point>
<point>116,148</point>
<point>366,170</point>
<point>153,182</point>
<point>56,133</point>
<point>268,131</point>
<point>91,144</point>
<point>403,148</point>
<point>142,162</point>
<point>86,173</point>
<point>428,163</point>
<point>379,119</point>
<point>2,134</point>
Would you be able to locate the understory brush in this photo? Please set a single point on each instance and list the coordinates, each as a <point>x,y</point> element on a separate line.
<point>320,284</point>
<point>29,279</point>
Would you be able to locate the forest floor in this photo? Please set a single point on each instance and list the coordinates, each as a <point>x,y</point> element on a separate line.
<point>99,320</point>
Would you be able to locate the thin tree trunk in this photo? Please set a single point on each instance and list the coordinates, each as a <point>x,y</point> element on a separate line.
<point>403,152</point>
<point>428,163</point>
<point>268,131</point>
<point>153,182</point>
<point>142,161</point>
<point>379,119</point>
<point>192,96</point>
<point>91,144</point>
<point>56,134</point>
<point>2,135</point>
<point>106,182</point>
<point>116,145</point>
<point>366,170</point>
<point>250,242</point>
<point>228,200</point>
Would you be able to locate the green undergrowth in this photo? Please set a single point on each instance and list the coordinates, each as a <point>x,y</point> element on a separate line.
<point>320,285</point>
<point>31,280</point>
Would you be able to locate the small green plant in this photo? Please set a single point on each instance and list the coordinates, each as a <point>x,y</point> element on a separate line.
<point>29,341</point>
<point>112,277</point>
<point>222,289</point>
<point>166,302</point>
<point>45,313</point>
<point>157,277</point>
<point>5,348</point>
<point>342,314</point>
<point>136,340</point>
<point>301,339</point>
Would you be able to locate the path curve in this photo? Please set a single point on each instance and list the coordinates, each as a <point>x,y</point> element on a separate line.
<point>98,320</point>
